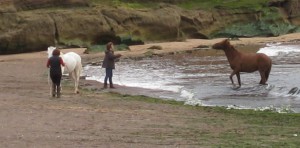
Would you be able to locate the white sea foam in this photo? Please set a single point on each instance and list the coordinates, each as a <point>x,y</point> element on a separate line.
<point>283,109</point>
<point>193,102</point>
<point>155,85</point>
<point>279,49</point>
<point>237,107</point>
<point>186,94</point>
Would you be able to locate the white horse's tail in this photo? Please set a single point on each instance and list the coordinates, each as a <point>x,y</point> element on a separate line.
<point>80,68</point>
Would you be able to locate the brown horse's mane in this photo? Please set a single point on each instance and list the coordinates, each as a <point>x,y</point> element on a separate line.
<point>228,45</point>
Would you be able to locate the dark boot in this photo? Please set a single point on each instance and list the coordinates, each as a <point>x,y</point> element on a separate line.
<point>105,85</point>
<point>58,91</point>
<point>111,85</point>
<point>53,93</point>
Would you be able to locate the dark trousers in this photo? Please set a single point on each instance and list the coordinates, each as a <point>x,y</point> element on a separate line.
<point>56,78</point>
<point>108,75</point>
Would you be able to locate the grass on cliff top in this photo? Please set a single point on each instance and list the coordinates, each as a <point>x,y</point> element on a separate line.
<point>119,3</point>
<point>190,4</point>
<point>226,4</point>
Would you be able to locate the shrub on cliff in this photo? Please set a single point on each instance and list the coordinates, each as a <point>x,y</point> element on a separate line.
<point>256,29</point>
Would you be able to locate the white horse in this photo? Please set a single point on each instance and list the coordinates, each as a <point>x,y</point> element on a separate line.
<point>73,65</point>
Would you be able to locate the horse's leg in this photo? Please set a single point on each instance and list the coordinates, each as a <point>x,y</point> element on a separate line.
<point>267,73</point>
<point>234,72</point>
<point>72,74</point>
<point>231,75</point>
<point>78,70</point>
<point>238,78</point>
<point>76,81</point>
<point>237,73</point>
<point>263,77</point>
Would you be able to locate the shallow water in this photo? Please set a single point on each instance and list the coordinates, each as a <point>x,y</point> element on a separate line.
<point>203,78</point>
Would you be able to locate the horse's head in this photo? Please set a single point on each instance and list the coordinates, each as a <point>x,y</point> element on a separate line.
<point>50,51</point>
<point>225,44</point>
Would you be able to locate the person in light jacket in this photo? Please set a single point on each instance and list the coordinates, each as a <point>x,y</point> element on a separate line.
<point>109,64</point>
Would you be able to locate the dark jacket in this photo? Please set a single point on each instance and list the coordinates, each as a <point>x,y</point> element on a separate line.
<point>54,63</point>
<point>109,59</point>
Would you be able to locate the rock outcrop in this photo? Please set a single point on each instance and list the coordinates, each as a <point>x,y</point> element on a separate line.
<point>29,25</point>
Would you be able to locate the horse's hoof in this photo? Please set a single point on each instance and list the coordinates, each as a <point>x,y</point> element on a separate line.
<point>77,92</point>
<point>293,91</point>
<point>263,84</point>
<point>236,87</point>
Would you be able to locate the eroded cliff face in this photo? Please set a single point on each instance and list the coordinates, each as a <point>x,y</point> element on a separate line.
<point>292,8</point>
<point>30,25</point>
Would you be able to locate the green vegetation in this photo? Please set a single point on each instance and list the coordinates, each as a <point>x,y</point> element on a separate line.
<point>225,4</point>
<point>147,99</point>
<point>198,126</point>
<point>124,42</point>
<point>270,23</point>
<point>256,29</point>
<point>189,4</point>
<point>249,18</point>
<point>97,48</point>
<point>73,42</point>
<point>238,128</point>
<point>120,3</point>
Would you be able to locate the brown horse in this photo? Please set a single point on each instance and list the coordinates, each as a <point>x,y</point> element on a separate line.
<point>245,62</point>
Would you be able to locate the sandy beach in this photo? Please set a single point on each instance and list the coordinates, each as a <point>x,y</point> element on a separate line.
<point>31,118</point>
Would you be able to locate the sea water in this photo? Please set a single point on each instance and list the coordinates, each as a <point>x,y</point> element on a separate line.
<point>197,79</point>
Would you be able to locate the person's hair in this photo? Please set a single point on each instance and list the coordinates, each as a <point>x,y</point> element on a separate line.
<point>108,45</point>
<point>56,52</point>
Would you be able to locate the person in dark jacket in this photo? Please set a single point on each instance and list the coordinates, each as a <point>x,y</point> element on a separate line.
<point>109,63</point>
<point>54,63</point>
